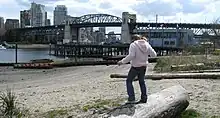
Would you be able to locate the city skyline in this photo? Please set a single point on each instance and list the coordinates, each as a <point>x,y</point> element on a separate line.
<point>193,11</point>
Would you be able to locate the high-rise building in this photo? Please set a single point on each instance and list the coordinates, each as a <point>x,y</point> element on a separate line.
<point>38,15</point>
<point>25,18</point>
<point>2,22</point>
<point>60,14</point>
<point>11,24</point>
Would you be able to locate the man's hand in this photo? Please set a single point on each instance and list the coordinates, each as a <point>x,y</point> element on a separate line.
<point>120,63</point>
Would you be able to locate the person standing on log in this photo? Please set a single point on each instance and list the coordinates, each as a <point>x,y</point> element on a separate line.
<point>139,50</point>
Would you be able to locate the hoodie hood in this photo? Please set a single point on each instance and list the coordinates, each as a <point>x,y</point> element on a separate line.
<point>142,45</point>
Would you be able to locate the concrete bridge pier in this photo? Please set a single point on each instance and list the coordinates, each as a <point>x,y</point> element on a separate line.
<point>126,29</point>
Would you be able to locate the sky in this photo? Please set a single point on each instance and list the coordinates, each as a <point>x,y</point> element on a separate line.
<point>189,11</point>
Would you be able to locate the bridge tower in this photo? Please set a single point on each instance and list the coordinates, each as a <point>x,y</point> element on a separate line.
<point>126,29</point>
<point>67,33</point>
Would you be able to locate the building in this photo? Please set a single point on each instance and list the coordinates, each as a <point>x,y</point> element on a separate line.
<point>112,37</point>
<point>25,18</point>
<point>48,22</point>
<point>2,22</point>
<point>11,24</point>
<point>38,15</point>
<point>169,37</point>
<point>60,14</point>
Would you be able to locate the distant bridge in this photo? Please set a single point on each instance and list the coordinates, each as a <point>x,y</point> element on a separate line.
<point>98,20</point>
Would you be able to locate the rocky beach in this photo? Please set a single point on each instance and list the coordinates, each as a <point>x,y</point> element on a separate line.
<point>73,87</point>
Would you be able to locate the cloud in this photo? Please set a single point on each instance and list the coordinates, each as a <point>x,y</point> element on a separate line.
<point>162,8</point>
<point>189,7</point>
<point>168,10</point>
<point>105,5</point>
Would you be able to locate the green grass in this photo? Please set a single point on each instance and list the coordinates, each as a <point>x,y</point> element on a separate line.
<point>164,63</point>
<point>191,113</point>
<point>56,113</point>
<point>101,104</point>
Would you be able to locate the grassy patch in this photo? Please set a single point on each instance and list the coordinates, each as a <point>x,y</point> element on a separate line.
<point>102,104</point>
<point>56,113</point>
<point>8,106</point>
<point>164,63</point>
<point>191,113</point>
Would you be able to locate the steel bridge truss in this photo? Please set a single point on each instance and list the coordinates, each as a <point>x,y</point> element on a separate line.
<point>97,18</point>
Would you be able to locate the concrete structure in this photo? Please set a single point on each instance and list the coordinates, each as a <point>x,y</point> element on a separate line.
<point>125,27</point>
<point>60,14</point>
<point>48,22</point>
<point>2,24</point>
<point>25,18</point>
<point>38,15</point>
<point>11,24</point>
<point>112,37</point>
<point>168,37</point>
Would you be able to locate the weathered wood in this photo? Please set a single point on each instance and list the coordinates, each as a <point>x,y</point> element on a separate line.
<point>200,71</point>
<point>186,66</point>
<point>168,103</point>
<point>159,76</point>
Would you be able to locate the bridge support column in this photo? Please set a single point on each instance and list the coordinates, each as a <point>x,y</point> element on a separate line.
<point>125,28</point>
<point>67,33</point>
<point>74,34</point>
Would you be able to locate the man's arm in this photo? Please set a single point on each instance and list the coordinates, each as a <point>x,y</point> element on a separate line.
<point>130,56</point>
<point>151,51</point>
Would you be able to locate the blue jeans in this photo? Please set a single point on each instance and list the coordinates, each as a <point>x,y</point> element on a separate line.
<point>133,72</point>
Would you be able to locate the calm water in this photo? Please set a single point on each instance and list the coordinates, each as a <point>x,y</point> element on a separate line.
<point>24,55</point>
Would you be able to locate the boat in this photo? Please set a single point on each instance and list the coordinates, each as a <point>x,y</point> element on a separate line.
<point>2,47</point>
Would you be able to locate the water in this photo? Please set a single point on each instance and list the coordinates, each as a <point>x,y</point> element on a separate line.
<point>24,55</point>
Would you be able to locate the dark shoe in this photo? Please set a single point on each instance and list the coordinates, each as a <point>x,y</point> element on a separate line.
<point>131,102</point>
<point>143,101</point>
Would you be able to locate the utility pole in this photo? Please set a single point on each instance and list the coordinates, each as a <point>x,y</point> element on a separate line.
<point>156,20</point>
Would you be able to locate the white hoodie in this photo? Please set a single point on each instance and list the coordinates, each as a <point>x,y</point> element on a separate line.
<point>139,51</point>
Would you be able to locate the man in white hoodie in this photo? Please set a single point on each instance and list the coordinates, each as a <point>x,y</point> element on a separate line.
<point>139,50</point>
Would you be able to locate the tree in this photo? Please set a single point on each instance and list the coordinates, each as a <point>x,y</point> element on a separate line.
<point>216,31</point>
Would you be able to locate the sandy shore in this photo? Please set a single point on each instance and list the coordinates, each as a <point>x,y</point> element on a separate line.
<point>45,90</point>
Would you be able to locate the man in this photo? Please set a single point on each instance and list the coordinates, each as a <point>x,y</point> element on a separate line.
<point>139,50</point>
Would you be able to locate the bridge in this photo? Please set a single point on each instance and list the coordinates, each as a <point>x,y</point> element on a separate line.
<point>71,29</point>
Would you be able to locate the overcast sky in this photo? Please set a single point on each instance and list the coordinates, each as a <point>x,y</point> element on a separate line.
<point>194,11</point>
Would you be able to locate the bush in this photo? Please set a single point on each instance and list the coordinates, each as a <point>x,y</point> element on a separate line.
<point>8,105</point>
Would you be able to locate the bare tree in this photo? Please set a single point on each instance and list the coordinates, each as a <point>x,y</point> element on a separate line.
<point>216,32</point>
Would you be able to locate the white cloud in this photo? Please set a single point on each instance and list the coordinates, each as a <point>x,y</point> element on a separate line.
<point>146,10</point>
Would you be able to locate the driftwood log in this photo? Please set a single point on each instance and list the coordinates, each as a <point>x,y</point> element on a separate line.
<point>159,76</point>
<point>186,66</point>
<point>200,71</point>
<point>168,103</point>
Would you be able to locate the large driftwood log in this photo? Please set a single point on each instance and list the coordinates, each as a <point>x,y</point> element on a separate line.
<point>168,103</point>
<point>186,66</point>
<point>159,76</point>
<point>200,71</point>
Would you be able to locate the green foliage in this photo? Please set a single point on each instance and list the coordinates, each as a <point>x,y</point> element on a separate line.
<point>195,50</point>
<point>190,113</point>
<point>101,104</point>
<point>56,113</point>
<point>164,63</point>
<point>216,52</point>
<point>8,105</point>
